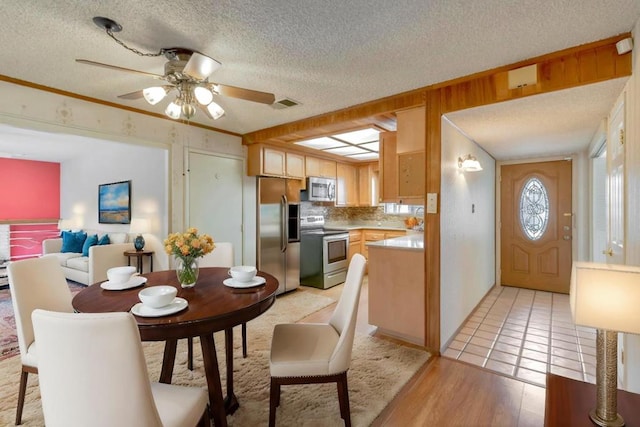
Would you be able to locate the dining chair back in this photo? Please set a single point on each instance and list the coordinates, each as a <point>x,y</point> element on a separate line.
<point>98,358</point>
<point>34,283</point>
<point>309,353</point>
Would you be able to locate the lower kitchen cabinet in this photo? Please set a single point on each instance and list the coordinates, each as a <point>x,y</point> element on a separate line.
<point>355,244</point>
<point>396,292</point>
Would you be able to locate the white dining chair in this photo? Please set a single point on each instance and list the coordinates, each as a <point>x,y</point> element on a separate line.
<point>92,372</point>
<point>34,283</point>
<point>221,256</point>
<point>311,353</point>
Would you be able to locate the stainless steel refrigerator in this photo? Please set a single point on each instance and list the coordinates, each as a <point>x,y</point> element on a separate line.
<point>278,231</point>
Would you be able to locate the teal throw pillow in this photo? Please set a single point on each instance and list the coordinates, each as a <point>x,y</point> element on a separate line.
<point>72,241</point>
<point>104,240</point>
<point>90,241</point>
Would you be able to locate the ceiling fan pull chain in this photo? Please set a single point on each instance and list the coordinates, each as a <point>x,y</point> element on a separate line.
<point>136,51</point>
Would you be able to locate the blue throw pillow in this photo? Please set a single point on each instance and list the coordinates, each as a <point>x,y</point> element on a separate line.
<point>104,240</point>
<point>90,241</point>
<point>73,241</point>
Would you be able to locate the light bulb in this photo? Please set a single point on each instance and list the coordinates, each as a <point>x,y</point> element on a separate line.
<point>173,110</point>
<point>215,110</point>
<point>155,94</point>
<point>203,95</point>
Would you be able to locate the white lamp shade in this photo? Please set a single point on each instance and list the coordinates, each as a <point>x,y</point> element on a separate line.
<point>203,95</point>
<point>215,110</point>
<point>606,296</point>
<point>173,110</point>
<point>154,94</point>
<point>66,224</point>
<point>139,225</point>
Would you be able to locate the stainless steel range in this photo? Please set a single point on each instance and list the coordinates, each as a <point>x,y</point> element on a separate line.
<point>323,254</point>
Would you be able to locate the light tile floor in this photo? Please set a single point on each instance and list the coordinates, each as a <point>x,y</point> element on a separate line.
<point>524,333</point>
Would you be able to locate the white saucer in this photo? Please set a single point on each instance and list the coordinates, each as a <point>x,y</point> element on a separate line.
<point>135,281</point>
<point>177,305</point>
<point>256,281</point>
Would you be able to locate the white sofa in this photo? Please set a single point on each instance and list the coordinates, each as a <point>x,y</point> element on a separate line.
<point>91,269</point>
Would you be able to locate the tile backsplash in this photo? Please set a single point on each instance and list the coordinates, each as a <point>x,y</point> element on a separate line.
<point>352,215</point>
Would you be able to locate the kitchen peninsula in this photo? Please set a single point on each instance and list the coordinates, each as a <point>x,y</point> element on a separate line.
<point>396,287</point>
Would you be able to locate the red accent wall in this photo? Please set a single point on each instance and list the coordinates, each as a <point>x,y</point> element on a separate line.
<point>29,189</point>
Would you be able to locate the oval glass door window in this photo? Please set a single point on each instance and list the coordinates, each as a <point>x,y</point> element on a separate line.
<point>534,209</point>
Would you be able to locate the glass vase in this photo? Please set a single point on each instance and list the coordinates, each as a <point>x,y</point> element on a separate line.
<point>187,271</point>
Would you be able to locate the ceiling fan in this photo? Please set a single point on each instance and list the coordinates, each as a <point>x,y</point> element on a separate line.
<point>187,72</point>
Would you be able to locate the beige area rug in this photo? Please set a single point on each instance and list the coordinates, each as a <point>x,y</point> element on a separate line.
<point>378,370</point>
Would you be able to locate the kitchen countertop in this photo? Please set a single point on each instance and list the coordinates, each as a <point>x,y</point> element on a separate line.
<point>363,227</point>
<point>414,242</point>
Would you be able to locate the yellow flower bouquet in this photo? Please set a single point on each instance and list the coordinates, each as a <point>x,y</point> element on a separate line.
<point>187,247</point>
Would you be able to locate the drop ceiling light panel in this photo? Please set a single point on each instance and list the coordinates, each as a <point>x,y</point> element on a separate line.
<point>346,151</point>
<point>360,136</point>
<point>321,143</point>
<point>365,156</point>
<point>373,146</point>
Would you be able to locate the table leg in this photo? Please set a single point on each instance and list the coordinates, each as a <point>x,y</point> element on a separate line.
<point>140,264</point>
<point>168,360</point>
<point>214,386</point>
<point>230,402</point>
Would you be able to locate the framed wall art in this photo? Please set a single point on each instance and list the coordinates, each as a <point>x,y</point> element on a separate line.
<point>114,203</point>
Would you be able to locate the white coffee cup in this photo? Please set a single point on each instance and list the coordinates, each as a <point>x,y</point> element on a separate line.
<point>243,273</point>
<point>157,296</point>
<point>118,275</point>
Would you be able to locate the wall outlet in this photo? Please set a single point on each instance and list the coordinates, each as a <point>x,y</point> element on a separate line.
<point>432,203</point>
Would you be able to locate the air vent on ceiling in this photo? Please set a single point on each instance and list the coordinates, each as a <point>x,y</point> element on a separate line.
<point>284,103</point>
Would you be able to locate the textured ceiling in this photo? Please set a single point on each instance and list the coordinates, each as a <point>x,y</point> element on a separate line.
<point>327,55</point>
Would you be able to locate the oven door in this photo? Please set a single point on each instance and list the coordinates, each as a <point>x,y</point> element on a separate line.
<point>335,252</point>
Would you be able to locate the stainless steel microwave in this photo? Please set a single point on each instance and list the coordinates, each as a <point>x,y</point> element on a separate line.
<point>319,190</point>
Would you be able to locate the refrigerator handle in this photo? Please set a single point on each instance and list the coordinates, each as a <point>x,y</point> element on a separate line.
<point>284,226</point>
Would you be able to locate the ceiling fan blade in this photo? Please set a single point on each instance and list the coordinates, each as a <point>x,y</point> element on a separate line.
<point>247,94</point>
<point>200,66</point>
<point>114,67</point>
<point>132,95</point>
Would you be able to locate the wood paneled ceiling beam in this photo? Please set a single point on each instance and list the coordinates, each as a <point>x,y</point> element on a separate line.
<point>576,66</point>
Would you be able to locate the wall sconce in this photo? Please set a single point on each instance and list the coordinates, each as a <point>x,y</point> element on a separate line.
<point>469,163</point>
<point>606,297</point>
<point>139,225</point>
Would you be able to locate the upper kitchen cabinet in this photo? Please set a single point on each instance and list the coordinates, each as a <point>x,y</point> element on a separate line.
<point>269,161</point>
<point>368,184</point>
<point>411,178</point>
<point>324,168</point>
<point>388,169</point>
<point>411,129</point>
<point>346,185</point>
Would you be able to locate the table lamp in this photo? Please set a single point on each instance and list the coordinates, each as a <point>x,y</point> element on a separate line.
<point>139,225</point>
<point>606,297</point>
<point>65,224</point>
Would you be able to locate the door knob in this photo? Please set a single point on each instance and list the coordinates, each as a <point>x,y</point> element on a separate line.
<point>608,252</point>
<point>565,237</point>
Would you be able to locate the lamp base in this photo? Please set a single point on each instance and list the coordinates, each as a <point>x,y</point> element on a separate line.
<point>618,422</point>
<point>138,243</point>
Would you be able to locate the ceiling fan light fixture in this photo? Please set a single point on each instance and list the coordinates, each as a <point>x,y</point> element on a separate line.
<point>174,110</point>
<point>215,110</point>
<point>203,95</point>
<point>154,94</point>
<point>188,110</point>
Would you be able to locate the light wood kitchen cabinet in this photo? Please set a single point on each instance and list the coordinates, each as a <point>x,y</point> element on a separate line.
<point>295,165</point>
<point>355,244</point>
<point>374,235</point>
<point>268,161</point>
<point>315,166</point>
<point>368,185</point>
<point>388,168</point>
<point>411,177</point>
<point>346,185</point>
<point>411,130</point>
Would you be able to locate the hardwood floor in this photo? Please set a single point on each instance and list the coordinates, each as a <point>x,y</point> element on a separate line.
<point>447,392</point>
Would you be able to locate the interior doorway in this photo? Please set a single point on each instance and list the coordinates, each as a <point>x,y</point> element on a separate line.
<point>536,225</point>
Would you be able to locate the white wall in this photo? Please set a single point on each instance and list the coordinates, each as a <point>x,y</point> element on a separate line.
<point>632,167</point>
<point>50,112</point>
<point>467,243</point>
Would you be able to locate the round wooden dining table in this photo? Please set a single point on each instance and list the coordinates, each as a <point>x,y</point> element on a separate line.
<point>212,306</point>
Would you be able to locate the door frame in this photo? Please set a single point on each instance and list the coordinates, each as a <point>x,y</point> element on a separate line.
<point>579,205</point>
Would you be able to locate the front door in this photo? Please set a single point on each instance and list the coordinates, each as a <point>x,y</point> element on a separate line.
<point>536,225</point>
